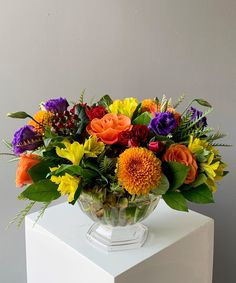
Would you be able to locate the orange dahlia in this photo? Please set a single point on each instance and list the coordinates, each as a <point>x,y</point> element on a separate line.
<point>43,119</point>
<point>138,170</point>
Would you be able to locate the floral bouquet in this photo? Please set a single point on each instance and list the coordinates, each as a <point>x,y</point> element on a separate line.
<point>117,158</point>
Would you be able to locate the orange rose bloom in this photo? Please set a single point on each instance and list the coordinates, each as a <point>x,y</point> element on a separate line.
<point>108,127</point>
<point>180,153</point>
<point>26,162</point>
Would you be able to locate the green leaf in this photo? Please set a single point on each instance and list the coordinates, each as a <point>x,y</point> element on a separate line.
<point>40,170</point>
<point>105,101</point>
<point>201,179</point>
<point>163,186</point>
<point>83,118</point>
<point>86,174</point>
<point>200,194</point>
<point>143,119</point>
<point>42,191</point>
<point>176,173</point>
<point>19,115</point>
<point>225,173</point>
<point>77,193</point>
<point>176,201</point>
<point>136,111</point>
<point>90,164</point>
<point>203,102</point>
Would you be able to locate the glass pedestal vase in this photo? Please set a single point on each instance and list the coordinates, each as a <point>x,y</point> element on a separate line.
<point>117,223</point>
<point>112,238</point>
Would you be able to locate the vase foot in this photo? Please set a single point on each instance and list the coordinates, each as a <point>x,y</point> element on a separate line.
<point>118,238</point>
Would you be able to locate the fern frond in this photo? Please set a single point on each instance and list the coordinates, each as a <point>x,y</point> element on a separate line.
<point>41,212</point>
<point>180,99</point>
<point>20,216</point>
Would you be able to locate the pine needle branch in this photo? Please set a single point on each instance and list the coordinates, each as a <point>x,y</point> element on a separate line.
<point>195,121</point>
<point>215,136</point>
<point>106,164</point>
<point>41,212</point>
<point>20,216</point>
<point>7,144</point>
<point>221,144</point>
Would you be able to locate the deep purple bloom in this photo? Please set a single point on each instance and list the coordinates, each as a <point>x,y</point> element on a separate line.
<point>197,114</point>
<point>25,139</point>
<point>57,105</point>
<point>163,123</point>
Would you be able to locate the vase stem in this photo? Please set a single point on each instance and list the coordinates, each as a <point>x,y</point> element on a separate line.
<point>109,238</point>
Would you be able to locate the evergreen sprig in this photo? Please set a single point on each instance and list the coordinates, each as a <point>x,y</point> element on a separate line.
<point>215,136</point>
<point>190,127</point>
<point>107,164</point>
<point>41,212</point>
<point>221,144</point>
<point>20,216</point>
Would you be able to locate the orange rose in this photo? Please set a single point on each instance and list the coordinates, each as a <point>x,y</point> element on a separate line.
<point>26,162</point>
<point>180,153</point>
<point>109,126</point>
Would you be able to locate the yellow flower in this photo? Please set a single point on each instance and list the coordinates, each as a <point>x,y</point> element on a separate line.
<point>196,145</point>
<point>72,151</point>
<point>125,107</point>
<point>219,174</point>
<point>210,167</point>
<point>67,185</point>
<point>138,170</point>
<point>220,171</point>
<point>93,147</point>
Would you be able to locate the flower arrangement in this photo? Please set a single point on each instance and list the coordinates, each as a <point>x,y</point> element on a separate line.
<point>118,152</point>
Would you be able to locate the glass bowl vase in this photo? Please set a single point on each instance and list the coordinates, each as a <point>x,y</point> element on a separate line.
<point>117,220</point>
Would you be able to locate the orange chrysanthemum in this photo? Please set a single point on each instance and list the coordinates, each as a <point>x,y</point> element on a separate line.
<point>139,170</point>
<point>149,105</point>
<point>43,119</point>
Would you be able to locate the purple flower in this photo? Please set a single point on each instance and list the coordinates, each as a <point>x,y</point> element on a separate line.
<point>197,114</point>
<point>163,123</point>
<point>25,139</point>
<point>58,105</point>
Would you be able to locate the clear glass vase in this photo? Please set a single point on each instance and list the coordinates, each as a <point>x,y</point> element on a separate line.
<point>117,221</point>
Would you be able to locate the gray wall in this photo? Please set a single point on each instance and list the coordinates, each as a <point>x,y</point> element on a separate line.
<point>124,48</point>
